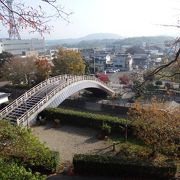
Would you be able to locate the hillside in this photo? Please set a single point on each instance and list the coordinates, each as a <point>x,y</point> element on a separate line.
<point>102,40</point>
<point>90,37</point>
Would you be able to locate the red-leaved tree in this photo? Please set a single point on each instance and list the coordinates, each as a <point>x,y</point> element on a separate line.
<point>124,79</point>
<point>103,77</point>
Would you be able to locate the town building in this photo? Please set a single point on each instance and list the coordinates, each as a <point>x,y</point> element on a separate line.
<point>22,47</point>
<point>122,62</point>
<point>140,61</point>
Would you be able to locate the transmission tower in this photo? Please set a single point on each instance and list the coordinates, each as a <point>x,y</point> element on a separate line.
<point>13,31</point>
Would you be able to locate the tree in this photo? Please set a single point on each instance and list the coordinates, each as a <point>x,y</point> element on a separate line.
<point>135,50</point>
<point>137,86</point>
<point>87,67</point>
<point>68,62</point>
<point>32,17</point>
<point>20,70</point>
<point>43,69</point>
<point>4,57</point>
<point>173,65</point>
<point>156,126</point>
<point>124,79</point>
<point>171,73</point>
<point>103,77</point>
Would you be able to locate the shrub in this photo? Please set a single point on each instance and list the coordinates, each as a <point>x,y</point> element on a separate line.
<point>150,87</point>
<point>86,119</point>
<point>45,165</point>
<point>117,166</point>
<point>14,171</point>
<point>19,86</point>
<point>18,144</point>
<point>106,129</point>
<point>158,83</point>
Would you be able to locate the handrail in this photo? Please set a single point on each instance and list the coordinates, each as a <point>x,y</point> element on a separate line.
<point>45,99</point>
<point>30,93</point>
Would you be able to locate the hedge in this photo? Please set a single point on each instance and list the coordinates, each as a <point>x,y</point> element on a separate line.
<point>116,166</point>
<point>19,86</point>
<point>86,119</point>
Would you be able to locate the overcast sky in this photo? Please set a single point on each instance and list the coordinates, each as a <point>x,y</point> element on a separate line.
<point>123,17</point>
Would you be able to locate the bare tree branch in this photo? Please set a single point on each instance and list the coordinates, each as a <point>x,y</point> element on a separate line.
<point>160,68</point>
<point>34,18</point>
<point>168,76</point>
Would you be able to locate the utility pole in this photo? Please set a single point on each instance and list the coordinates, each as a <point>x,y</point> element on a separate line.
<point>94,60</point>
<point>13,31</point>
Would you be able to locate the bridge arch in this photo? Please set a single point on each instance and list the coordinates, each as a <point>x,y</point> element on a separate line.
<point>53,92</point>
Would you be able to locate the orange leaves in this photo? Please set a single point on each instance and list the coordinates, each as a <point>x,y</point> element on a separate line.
<point>155,126</point>
<point>43,69</point>
<point>43,63</point>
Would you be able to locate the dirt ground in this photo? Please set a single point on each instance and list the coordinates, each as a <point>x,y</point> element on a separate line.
<point>70,140</point>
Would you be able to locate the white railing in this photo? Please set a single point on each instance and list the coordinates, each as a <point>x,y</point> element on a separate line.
<point>70,80</point>
<point>30,93</point>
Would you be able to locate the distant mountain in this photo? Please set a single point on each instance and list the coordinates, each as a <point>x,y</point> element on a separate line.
<point>100,36</point>
<point>96,36</point>
<point>60,42</point>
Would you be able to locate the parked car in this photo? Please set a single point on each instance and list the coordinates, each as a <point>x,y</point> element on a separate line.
<point>110,71</point>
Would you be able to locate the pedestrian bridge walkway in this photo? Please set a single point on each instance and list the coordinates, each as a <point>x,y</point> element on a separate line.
<point>49,93</point>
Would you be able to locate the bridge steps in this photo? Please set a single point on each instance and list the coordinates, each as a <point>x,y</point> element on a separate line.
<point>29,103</point>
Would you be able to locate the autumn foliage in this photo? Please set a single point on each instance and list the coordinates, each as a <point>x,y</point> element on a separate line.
<point>157,127</point>
<point>27,70</point>
<point>43,69</point>
<point>68,62</point>
<point>19,70</point>
<point>124,79</point>
<point>103,77</point>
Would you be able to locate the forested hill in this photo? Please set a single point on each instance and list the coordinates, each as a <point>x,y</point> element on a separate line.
<point>139,40</point>
<point>103,43</point>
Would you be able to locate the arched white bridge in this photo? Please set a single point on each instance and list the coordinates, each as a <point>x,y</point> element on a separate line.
<point>49,93</point>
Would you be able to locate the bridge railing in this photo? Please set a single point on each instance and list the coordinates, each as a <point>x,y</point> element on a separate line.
<point>44,100</point>
<point>30,93</point>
